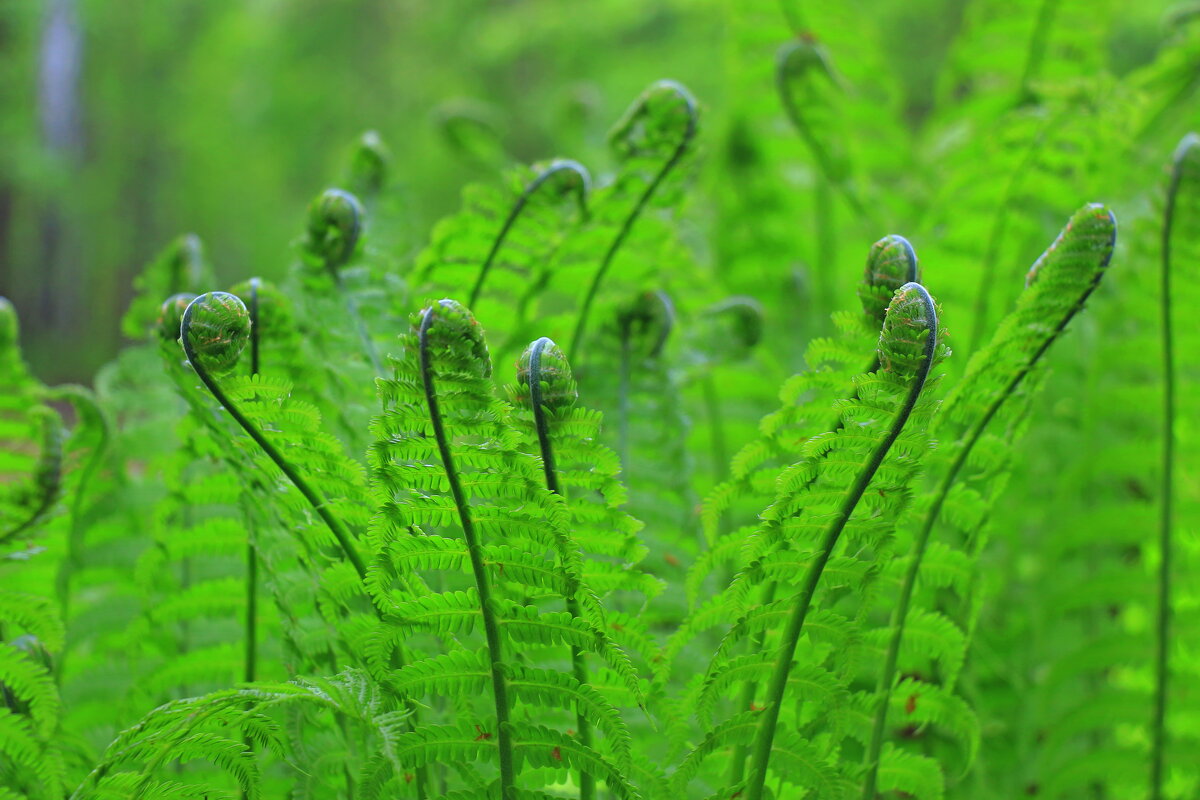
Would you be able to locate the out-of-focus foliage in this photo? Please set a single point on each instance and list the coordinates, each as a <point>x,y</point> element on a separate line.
<point>553,440</point>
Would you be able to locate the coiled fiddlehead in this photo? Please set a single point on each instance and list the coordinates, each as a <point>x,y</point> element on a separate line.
<point>545,371</point>
<point>225,325</point>
<point>335,226</point>
<point>458,329</point>
<point>1059,282</point>
<point>664,98</point>
<point>907,346</point>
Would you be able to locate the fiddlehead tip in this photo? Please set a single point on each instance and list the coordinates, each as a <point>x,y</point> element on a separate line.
<point>731,328</point>
<point>335,222</point>
<point>545,365</point>
<point>457,337</point>
<point>215,328</point>
<point>369,163</point>
<point>1092,228</point>
<point>170,315</point>
<point>891,263</point>
<point>1187,149</point>
<point>908,340</point>
<point>274,307</point>
<point>646,322</point>
<point>666,97</point>
<point>797,56</point>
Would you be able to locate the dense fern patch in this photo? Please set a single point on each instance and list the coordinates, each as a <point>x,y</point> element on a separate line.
<point>574,502</point>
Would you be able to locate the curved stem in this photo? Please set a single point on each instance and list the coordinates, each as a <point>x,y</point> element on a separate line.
<point>1163,622</point>
<point>519,206</point>
<point>251,655</point>
<point>765,736</point>
<point>48,475</point>
<point>343,537</point>
<point>483,585</point>
<point>627,225</point>
<point>587,783</point>
<point>900,615</point>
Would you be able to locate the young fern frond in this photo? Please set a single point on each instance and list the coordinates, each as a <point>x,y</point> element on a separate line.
<point>450,329</point>
<point>1183,200</point>
<point>484,510</point>
<point>1060,282</point>
<point>502,242</point>
<point>225,326</point>
<point>652,139</point>
<point>907,347</point>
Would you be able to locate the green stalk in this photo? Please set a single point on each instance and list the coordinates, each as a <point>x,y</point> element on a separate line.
<point>488,612</point>
<point>310,494</point>
<point>765,737</point>
<point>518,207</point>
<point>318,504</point>
<point>1163,622</point>
<point>627,225</point>
<point>251,656</point>
<point>900,615</point>
<point>587,783</point>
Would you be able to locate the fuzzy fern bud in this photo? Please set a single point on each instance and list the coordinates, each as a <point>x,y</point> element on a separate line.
<point>275,316</point>
<point>457,338</point>
<point>1090,229</point>
<point>648,124</point>
<point>909,336</point>
<point>369,164</point>
<point>335,222</point>
<point>217,325</point>
<point>170,315</point>
<point>891,263</point>
<point>544,362</point>
<point>647,322</point>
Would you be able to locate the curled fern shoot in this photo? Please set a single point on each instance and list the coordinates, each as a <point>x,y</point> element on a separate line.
<point>550,388</point>
<point>1185,174</point>
<point>577,179</point>
<point>665,99</point>
<point>458,324</point>
<point>335,226</point>
<point>1061,281</point>
<point>907,346</point>
<point>804,74</point>
<point>222,329</point>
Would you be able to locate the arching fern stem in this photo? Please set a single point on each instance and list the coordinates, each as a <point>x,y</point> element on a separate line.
<point>627,224</point>
<point>900,615</point>
<point>310,494</point>
<point>765,736</point>
<point>518,207</point>
<point>1163,623</point>
<point>483,585</point>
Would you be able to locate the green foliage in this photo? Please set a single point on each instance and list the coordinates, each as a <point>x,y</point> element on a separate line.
<point>753,530</point>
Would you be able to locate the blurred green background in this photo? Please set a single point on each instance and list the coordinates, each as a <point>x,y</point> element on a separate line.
<point>126,124</point>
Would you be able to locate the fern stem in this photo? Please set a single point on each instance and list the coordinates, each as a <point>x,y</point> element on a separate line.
<point>765,736</point>
<point>1037,49</point>
<point>1163,622</point>
<point>627,224</point>
<point>530,189</point>
<point>900,615</point>
<point>587,783</point>
<point>820,155</point>
<point>311,495</point>
<point>483,585</point>
<point>251,656</point>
